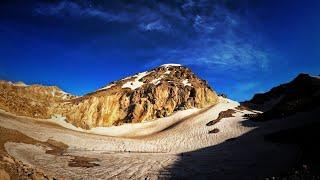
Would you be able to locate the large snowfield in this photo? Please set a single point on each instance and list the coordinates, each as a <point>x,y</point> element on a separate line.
<point>176,146</point>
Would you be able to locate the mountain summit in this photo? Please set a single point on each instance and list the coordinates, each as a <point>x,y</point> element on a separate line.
<point>141,97</point>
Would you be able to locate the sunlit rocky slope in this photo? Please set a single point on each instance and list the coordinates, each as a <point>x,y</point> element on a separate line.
<point>144,96</point>
<point>32,101</point>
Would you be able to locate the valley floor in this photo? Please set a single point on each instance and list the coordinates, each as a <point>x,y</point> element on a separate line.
<point>185,150</point>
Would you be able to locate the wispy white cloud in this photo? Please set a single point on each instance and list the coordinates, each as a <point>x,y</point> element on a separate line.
<point>145,18</point>
<point>68,8</point>
<point>222,56</point>
<point>201,25</point>
<point>157,25</point>
<point>188,4</point>
<point>213,35</point>
<point>224,41</point>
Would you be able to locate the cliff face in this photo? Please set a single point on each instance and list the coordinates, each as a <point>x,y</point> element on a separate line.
<point>144,96</point>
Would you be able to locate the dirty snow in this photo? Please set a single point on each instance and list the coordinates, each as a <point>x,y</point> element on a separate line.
<point>157,155</point>
<point>144,128</point>
<point>190,131</point>
<point>188,128</point>
<point>131,129</point>
<point>61,120</point>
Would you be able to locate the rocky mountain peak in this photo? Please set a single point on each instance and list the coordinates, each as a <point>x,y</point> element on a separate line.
<point>144,96</point>
<point>173,74</point>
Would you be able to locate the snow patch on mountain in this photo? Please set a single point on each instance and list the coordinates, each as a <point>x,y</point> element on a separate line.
<point>318,77</point>
<point>168,65</point>
<point>167,72</point>
<point>21,84</point>
<point>61,120</point>
<point>186,82</point>
<point>132,85</point>
<point>157,81</point>
<point>106,87</point>
<point>136,83</point>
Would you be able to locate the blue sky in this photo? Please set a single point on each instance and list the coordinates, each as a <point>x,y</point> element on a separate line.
<point>241,47</point>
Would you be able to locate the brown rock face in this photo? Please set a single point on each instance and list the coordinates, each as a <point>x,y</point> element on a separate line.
<point>31,101</point>
<point>144,96</point>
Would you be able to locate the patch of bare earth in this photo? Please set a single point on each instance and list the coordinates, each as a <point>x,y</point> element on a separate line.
<point>4,175</point>
<point>215,130</point>
<point>242,107</point>
<point>56,148</point>
<point>247,116</point>
<point>9,166</point>
<point>79,161</point>
<point>224,114</point>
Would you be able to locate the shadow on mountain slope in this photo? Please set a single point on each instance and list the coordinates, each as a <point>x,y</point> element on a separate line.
<point>272,149</point>
<point>299,95</point>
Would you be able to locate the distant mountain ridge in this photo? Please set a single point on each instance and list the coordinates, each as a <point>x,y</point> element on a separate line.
<point>30,100</point>
<point>144,96</point>
<point>301,94</point>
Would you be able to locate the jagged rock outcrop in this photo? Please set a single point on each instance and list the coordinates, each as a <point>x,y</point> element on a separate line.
<point>144,96</point>
<point>301,94</point>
